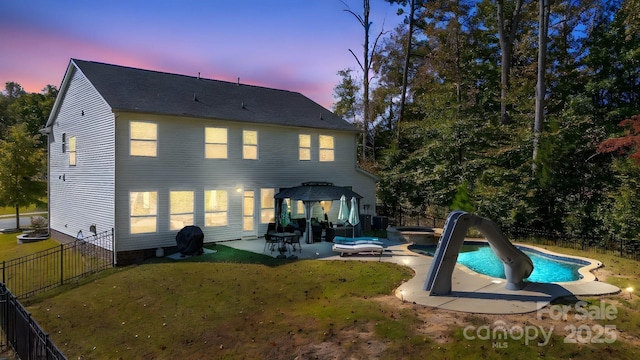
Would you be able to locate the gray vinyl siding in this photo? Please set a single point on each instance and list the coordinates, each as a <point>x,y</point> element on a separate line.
<point>82,195</point>
<point>181,165</point>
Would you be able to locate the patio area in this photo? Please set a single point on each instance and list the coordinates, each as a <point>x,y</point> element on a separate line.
<point>472,292</point>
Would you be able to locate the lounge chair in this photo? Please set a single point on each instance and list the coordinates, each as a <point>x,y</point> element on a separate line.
<point>348,249</point>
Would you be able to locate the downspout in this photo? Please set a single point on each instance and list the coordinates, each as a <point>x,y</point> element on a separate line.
<point>47,131</point>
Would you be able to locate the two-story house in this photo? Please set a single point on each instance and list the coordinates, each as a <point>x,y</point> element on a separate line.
<point>146,153</point>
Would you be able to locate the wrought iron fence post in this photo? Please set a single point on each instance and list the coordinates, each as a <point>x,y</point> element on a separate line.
<point>61,264</point>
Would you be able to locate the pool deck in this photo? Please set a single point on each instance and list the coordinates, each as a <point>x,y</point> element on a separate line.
<point>471,292</point>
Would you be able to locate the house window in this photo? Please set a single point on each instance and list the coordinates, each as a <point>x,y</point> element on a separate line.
<point>326,148</point>
<point>267,206</point>
<point>215,143</point>
<point>144,138</point>
<point>250,144</point>
<point>143,210</point>
<point>304,147</point>
<point>299,210</point>
<point>180,209</point>
<point>215,208</point>
<point>72,151</point>
<point>64,142</point>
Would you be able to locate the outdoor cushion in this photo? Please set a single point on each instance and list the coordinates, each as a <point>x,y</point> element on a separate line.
<point>356,241</point>
<point>357,248</point>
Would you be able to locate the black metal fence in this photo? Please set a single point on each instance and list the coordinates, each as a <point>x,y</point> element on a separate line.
<point>625,248</point>
<point>21,332</point>
<point>38,272</point>
<point>47,269</point>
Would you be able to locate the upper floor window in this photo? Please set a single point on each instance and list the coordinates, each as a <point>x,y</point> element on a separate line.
<point>143,138</point>
<point>143,211</point>
<point>250,144</point>
<point>215,143</point>
<point>180,209</point>
<point>267,205</point>
<point>304,147</point>
<point>215,208</point>
<point>326,148</point>
<point>72,151</point>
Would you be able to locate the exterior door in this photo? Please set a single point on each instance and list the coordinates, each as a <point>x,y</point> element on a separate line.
<point>249,214</point>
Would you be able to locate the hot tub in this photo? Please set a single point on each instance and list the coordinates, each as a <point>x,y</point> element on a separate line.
<point>420,235</point>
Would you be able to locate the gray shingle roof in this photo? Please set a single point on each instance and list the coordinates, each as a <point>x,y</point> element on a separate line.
<point>146,91</point>
<point>316,192</point>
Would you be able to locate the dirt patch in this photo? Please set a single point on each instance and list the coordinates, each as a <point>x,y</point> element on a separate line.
<point>438,324</point>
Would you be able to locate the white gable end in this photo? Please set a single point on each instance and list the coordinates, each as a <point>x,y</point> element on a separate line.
<point>81,195</point>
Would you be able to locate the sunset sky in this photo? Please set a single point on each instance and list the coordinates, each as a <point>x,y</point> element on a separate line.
<point>296,45</point>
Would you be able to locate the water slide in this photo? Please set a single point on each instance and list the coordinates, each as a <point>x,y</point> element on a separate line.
<point>517,265</point>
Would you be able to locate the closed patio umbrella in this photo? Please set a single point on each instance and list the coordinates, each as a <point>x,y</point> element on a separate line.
<point>343,211</point>
<point>284,215</point>
<point>354,218</point>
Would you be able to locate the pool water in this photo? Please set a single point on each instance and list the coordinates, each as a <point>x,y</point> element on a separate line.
<point>546,268</point>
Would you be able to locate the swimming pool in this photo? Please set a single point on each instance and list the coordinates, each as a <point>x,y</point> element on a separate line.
<point>547,268</point>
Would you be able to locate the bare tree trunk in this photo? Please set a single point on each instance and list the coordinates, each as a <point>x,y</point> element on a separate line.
<point>405,70</point>
<point>543,27</point>
<point>365,113</point>
<point>506,46</point>
<point>17,217</point>
<point>365,65</point>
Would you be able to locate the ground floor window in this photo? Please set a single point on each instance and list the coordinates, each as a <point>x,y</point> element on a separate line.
<point>267,205</point>
<point>215,208</point>
<point>143,210</point>
<point>180,209</point>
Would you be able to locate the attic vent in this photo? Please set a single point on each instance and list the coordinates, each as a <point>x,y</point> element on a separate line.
<point>321,117</point>
<point>242,104</point>
<point>195,98</point>
<point>198,75</point>
<point>238,81</point>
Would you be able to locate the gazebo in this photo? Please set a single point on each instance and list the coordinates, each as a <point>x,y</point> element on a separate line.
<point>310,193</point>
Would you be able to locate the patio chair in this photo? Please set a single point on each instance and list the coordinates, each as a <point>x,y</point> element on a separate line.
<point>269,241</point>
<point>316,231</point>
<point>295,240</point>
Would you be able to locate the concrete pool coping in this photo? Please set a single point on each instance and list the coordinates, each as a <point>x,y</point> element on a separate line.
<point>477,293</point>
<point>471,292</point>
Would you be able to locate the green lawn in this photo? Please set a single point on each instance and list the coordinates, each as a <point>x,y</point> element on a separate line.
<point>32,208</point>
<point>10,249</point>
<point>238,305</point>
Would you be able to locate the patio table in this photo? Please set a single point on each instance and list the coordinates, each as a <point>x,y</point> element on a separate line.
<point>282,238</point>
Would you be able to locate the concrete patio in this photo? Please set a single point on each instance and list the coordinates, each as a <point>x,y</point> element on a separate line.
<point>472,292</point>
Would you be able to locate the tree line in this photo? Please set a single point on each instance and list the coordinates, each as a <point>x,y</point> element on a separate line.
<point>519,110</point>
<point>23,157</point>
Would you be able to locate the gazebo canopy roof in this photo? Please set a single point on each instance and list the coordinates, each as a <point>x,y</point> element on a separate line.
<point>316,191</point>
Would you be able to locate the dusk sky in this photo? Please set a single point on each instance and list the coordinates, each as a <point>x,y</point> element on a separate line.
<point>296,45</point>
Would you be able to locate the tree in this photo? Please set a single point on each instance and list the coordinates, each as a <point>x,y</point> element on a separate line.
<point>346,94</point>
<point>18,106</point>
<point>628,142</point>
<point>22,167</point>
<point>9,95</point>
<point>543,30</point>
<point>407,56</point>
<point>507,31</point>
<point>365,66</point>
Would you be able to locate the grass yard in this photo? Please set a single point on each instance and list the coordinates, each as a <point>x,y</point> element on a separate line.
<point>12,211</point>
<point>239,305</point>
<point>10,249</point>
